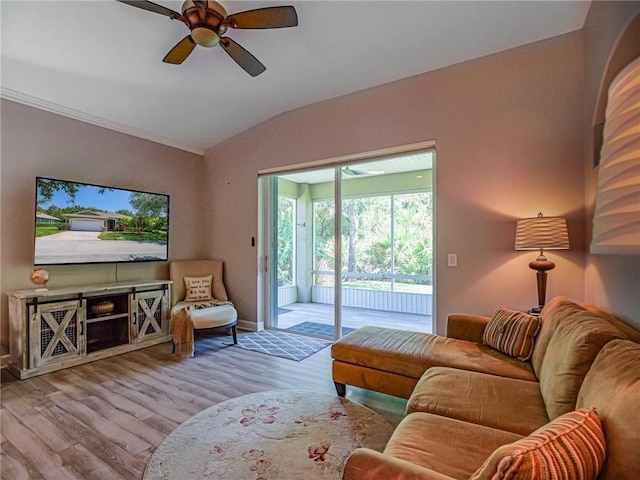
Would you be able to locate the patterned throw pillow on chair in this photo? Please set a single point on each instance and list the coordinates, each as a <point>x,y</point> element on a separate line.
<point>198,288</point>
<point>571,447</point>
<point>512,333</point>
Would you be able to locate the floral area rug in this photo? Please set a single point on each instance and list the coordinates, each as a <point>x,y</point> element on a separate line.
<point>281,344</point>
<point>274,435</point>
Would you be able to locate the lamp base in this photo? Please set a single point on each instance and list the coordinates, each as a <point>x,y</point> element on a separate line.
<point>541,265</point>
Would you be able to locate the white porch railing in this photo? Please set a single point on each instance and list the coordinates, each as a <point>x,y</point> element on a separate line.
<point>287,295</point>
<point>405,302</point>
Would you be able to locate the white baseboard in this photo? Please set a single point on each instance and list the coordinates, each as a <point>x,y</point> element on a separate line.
<point>250,326</point>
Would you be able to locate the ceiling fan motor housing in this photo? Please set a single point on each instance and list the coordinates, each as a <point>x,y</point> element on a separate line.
<point>205,21</point>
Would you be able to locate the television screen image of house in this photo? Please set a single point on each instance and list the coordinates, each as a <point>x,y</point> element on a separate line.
<point>84,223</point>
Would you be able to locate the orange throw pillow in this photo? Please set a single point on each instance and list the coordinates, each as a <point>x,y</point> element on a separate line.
<point>571,447</point>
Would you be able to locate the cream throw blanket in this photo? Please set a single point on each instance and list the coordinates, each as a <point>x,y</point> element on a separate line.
<point>181,325</point>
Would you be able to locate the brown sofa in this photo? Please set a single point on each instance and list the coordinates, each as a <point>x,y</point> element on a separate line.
<point>466,399</point>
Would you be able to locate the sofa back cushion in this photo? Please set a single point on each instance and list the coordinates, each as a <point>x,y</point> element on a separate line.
<point>613,387</point>
<point>553,312</point>
<point>576,341</point>
<point>628,330</point>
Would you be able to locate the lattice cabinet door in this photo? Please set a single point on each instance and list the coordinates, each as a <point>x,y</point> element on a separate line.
<point>150,314</point>
<point>55,332</point>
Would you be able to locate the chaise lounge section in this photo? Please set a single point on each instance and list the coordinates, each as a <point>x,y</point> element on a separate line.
<point>467,400</point>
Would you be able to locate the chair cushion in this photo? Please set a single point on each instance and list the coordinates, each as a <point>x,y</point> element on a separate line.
<point>571,447</point>
<point>209,317</point>
<point>508,404</point>
<point>511,332</point>
<point>198,288</point>
<point>445,445</point>
<point>411,353</point>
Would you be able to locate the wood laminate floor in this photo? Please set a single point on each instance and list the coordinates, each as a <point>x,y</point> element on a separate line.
<point>104,419</point>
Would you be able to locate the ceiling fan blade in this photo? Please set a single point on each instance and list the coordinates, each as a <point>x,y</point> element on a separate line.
<point>153,7</point>
<point>269,17</point>
<point>181,51</point>
<point>242,57</point>
<point>355,172</point>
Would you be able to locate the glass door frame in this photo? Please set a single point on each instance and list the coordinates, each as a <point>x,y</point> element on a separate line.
<point>337,254</point>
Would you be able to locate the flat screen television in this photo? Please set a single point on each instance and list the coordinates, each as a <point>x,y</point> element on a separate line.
<point>78,223</point>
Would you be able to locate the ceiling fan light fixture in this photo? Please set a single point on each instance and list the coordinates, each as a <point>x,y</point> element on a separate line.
<point>207,4</point>
<point>205,37</point>
<point>207,22</point>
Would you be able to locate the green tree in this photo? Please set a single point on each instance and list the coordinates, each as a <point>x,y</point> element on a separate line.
<point>286,242</point>
<point>47,187</point>
<point>150,206</point>
<point>366,228</point>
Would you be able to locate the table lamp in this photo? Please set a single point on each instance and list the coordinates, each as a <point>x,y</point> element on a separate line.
<point>540,233</point>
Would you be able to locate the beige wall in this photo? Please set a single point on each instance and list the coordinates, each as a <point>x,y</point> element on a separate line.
<point>513,138</point>
<point>35,142</point>
<point>509,144</point>
<point>611,281</point>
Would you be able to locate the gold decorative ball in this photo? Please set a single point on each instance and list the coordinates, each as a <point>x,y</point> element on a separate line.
<point>103,308</point>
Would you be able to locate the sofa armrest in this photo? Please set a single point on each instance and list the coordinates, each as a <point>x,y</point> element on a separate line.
<point>466,327</point>
<point>366,464</point>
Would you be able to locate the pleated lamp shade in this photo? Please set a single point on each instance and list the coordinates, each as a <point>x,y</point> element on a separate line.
<point>540,232</point>
<point>616,222</point>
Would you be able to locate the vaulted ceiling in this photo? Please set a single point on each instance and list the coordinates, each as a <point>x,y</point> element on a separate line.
<point>101,61</point>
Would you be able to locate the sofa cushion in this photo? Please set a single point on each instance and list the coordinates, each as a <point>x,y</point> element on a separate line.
<point>367,464</point>
<point>505,403</point>
<point>571,447</point>
<point>445,445</point>
<point>570,352</point>
<point>411,353</point>
<point>511,332</point>
<point>628,330</point>
<point>613,387</point>
<point>555,310</point>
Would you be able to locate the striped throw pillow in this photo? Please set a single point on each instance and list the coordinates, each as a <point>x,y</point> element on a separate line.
<point>512,333</point>
<point>571,447</point>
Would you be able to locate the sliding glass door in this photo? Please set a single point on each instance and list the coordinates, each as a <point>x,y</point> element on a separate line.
<point>349,246</point>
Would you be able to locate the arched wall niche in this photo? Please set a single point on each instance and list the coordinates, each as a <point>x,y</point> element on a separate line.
<point>625,50</point>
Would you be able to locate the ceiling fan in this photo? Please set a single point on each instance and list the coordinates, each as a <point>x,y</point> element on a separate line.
<point>208,21</point>
<point>352,172</point>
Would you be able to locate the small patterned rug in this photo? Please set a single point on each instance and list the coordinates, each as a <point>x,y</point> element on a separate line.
<point>274,435</point>
<point>319,329</point>
<point>281,344</point>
